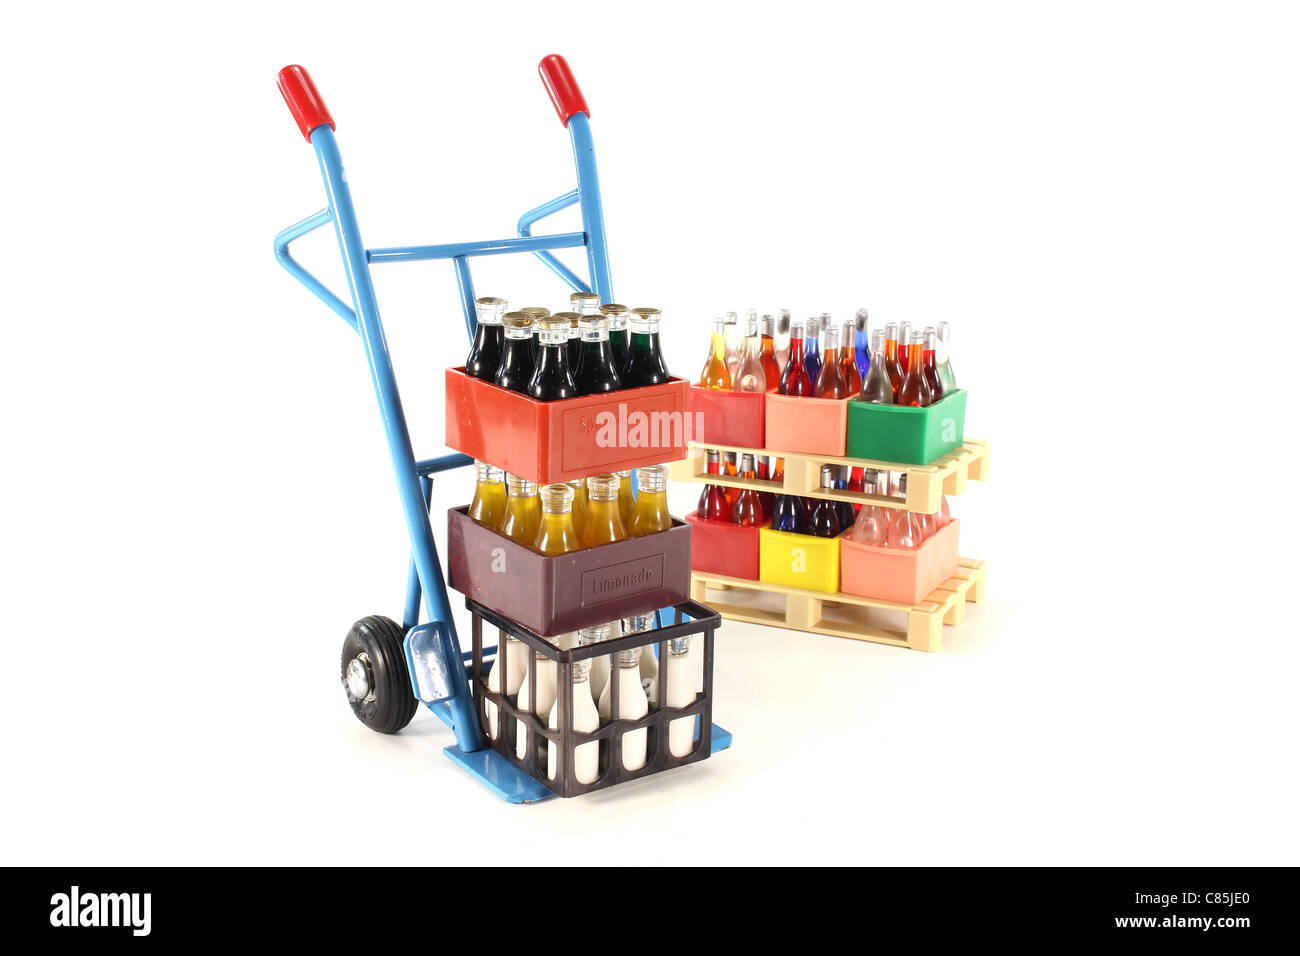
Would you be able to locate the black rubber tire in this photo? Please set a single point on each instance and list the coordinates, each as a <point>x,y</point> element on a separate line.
<point>380,639</point>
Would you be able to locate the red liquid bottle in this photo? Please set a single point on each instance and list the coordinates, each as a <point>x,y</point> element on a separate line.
<point>904,350</point>
<point>767,352</point>
<point>795,380</point>
<point>929,367</point>
<point>713,504</point>
<point>849,358</point>
<point>729,469</point>
<point>892,367</point>
<point>915,391</point>
<point>748,509</point>
<point>762,468</point>
<point>830,380</point>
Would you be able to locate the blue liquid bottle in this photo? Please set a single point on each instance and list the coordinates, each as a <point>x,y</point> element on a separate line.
<point>788,515</point>
<point>812,359</point>
<point>862,343</point>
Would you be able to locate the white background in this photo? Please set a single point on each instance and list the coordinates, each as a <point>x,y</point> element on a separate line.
<point>1102,198</point>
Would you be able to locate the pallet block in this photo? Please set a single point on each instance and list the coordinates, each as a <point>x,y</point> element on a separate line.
<point>803,608</point>
<point>926,484</point>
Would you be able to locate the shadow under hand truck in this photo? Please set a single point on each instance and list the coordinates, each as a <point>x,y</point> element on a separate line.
<point>386,667</point>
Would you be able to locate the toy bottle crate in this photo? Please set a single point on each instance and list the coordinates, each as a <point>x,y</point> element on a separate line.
<point>799,560</point>
<point>813,426</point>
<point>567,439</point>
<point>552,594</point>
<point>903,575</point>
<point>527,740</point>
<point>719,547</point>
<point>901,433</point>
<point>728,418</point>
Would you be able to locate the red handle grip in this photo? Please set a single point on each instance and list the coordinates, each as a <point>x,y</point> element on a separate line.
<point>303,99</point>
<point>563,88</point>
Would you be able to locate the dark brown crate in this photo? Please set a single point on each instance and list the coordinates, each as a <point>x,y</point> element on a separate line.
<point>554,594</point>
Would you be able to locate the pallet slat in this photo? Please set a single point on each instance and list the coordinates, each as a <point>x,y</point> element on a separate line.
<point>803,608</point>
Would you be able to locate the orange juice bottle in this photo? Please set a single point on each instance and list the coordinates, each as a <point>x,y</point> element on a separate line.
<point>626,503</point>
<point>523,514</point>
<point>604,523</point>
<point>651,513</point>
<point>579,502</point>
<point>489,504</point>
<point>555,533</point>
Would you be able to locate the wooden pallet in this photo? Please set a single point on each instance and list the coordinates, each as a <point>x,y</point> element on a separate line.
<point>803,608</point>
<point>926,484</point>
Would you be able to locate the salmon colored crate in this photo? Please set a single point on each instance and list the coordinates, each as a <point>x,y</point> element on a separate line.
<point>727,418</point>
<point>813,426</point>
<point>805,610</point>
<point>554,594</point>
<point>567,439</point>
<point>901,575</point>
<point>799,560</point>
<point>723,548</point>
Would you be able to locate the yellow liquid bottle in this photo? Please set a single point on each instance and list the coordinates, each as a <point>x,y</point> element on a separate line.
<point>715,373</point>
<point>626,503</point>
<point>604,523</point>
<point>579,502</point>
<point>523,515</point>
<point>556,534</point>
<point>489,504</point>
<point>651,513</point>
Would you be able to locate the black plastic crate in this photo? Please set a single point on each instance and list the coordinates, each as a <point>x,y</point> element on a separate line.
<point>702,626</point>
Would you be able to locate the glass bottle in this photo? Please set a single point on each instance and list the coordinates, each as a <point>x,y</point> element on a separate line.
<point>596,373</point>
<point>876,387</point>
<point>553,378</point>
<point>599,665</point>
<point>830,380</point>
<point>762,466</point>
<point>556,533</point>
<point>929,368</point>
<point>584,303</point>
<point>586,719</point>
<point>632,705</point>
<point>651,512</point>
<point>732,337</point>
<point>872,524</point>
<point>892,367</point>
<point>617,315</point>
<point>523,514</point>
<point>639,624</point>
<point>904,530</point>
<point>943,517</point>
<point>604,524</point>
<point>904,347</point>
<point>645,363</point>
<point>715,373</point>
<point>943,358</point>
<point>861,343</point>
<point>812,360</point>
<point>849,359</point>
<point>795,380</point>
<point>517,361</point>
<point>579,502</point>
<point>536,313</point>
<point>789,514</point>
<point>678,690</point>
<point>714,505</point>
<point>626,500</point>
<point>748,509</point>
<point>505,677</point>
<point>915,391</point>
<point>824,521</point>
<point>573,341</point>
<point>844,509</point>
<point>767,351</point>
<point>545,675</point>
<point>749,375</point>
<point>927,524</point>
<point>489,504</point>
<point>782,338</point>
<point>489,339</point>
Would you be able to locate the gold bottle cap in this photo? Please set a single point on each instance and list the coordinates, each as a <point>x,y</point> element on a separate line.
<point>536,311</point>
<point>517,320</point>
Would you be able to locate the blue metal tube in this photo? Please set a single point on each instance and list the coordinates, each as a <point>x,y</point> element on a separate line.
<point>314,285</point>
<point>423,549</point>
<point>492,247</point>
<point>593,216</point>
<point>548,259</point>
<point>443,463</point>
<point>411,607</point>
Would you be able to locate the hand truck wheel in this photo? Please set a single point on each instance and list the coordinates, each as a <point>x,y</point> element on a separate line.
<point>375,677</point>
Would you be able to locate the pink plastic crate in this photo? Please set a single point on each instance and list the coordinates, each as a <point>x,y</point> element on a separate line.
<point>899,574</point>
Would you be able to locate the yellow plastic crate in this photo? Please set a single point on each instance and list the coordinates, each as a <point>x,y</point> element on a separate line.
<point>799,560</point>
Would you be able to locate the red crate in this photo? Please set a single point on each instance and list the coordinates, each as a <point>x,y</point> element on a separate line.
<point>554,594</point>
<point>812,426</point>
<point>720,547</point>
<point>728,418</point>
<point>572,438</point>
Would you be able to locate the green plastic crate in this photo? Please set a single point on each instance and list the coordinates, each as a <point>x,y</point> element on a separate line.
<point>913,436</point>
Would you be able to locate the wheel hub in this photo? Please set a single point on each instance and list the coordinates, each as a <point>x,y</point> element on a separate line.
<point>360,678</point>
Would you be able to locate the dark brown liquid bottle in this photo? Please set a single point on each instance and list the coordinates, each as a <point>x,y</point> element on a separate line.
<point>517,363</point>
<point>489,339</point>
